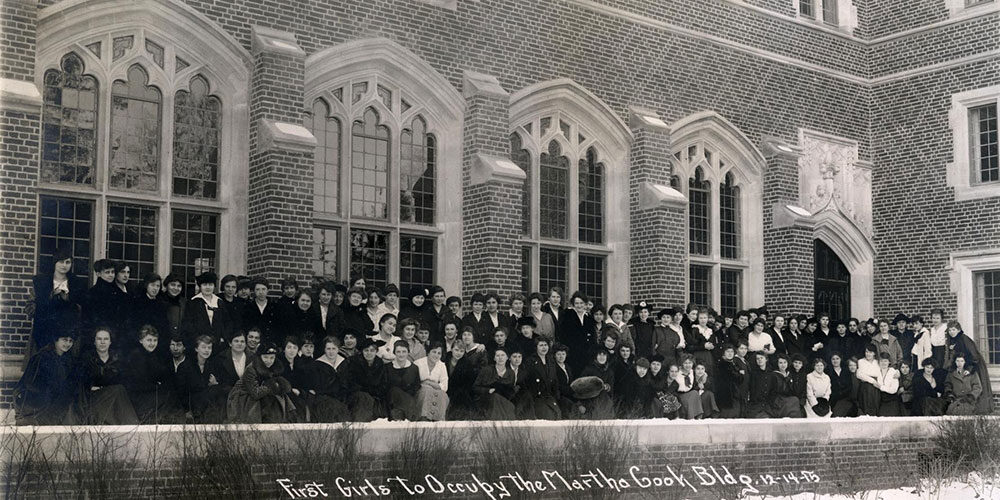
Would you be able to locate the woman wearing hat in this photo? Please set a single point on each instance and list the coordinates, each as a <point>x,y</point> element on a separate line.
<point>543,381</point>
<point>576,330</point>
<point>545,325</point>
<point>173,299</point>
<point>367,383</point>
<point>45,392</point>
<point>668,337</point>
<point>327,387</point>
<point>598,404</point>
<point>958,343</point>
<point>147,309</point>
<point>728,379</point>
<point>416,306</point>
<point>494,387</point>
<point>818,391</point>
<point>641,330</point>
<point>261,395</point>
<point>635,393</point>
<point>204,315</point>
<point>432,398</point>
<point>355,314</point>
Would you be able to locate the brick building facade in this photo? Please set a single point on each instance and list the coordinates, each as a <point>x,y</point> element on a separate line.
<point>795,153</point>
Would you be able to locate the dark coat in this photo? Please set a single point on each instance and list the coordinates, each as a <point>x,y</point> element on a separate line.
<point>644,335</point>
<point>482,327</point>
<point>295,321</point>
<point>406,379</point>
<point>579,336</point>
<point>46,390</point>
<point>357,318</point>
<point>225,370</point>
<point>795,343</point>
<point>106,305</point>
<point>146,311</point>
<point>974,361</point>
<point>196,392</point>
<point>845,345</point>
<point>55,314</point>
<point>253,317</point>
<point>235,311</point>
<point>370,378</point>
<point>728,380</point>
<point>175,307</point>
<point>149,380</point>
<point>196,322</point>
<point>542,378</point>
<point>840,385</point>
<point>334,325</point>
<point>261,395</point>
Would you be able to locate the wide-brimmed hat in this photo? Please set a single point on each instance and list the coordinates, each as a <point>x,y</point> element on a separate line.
<point>587,387</point>
<point>822,407</point>
<point>366,342</point>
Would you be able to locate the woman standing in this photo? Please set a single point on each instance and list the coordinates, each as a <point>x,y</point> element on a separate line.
<point>45,392</point>
<point>104,400</point>
<point>261,395</point>
<point>545,326</point>
<point>554,306</point>
<point>173,299</point>
<point>432,398</point>
<point>819,391</point>
<point>701,341</point>
<point>668,336</point>
<point>55,301</point>
<point>615,319</point>
<point>758,340</point>
<point>494,387</point>
<point>355,313</point>
<point>301,318</point>
<point>404,382</point>
<point>204,315</point>
<point>576,331</point>
<point>147,309</point>
<point>868,374</point>
<point>375,308</point>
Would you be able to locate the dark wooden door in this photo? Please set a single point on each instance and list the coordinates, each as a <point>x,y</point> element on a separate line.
<point>832,283</point>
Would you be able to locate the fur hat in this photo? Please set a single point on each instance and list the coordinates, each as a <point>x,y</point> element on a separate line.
<point>822,407</point>
<point>526,321</point>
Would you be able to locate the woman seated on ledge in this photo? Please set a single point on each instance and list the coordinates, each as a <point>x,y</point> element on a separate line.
<point>962,387</point>
<point>928,391</point>
<point>45,392</point>
<point>261,394</point>
<point>103,399</point>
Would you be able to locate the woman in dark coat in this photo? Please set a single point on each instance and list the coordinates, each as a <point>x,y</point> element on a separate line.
<point>403,378</point>
<point>107,302</point>
<point>204,315</point>
<point>104,400</point>
<point>494,387</point>
<point>784,402</point>
<point>462,374</point>
<point>147,309</point>
<point>727,382</point>
<point>327,387</point>
<point>301,318</point>
<point>841,387</point>
<point>149,381</point>
<point>577,331</point>
<point>56,299</point>
<point>261,395</point>
<point>761,388</point>
<point>367,382</point>
<point>202,396</point>
<point>355,312</point>
<point>600,407</point>
<point>928,391</point>
<point>635,391</point>
<point>962,387</point>
<point>957,342</point>
<point>175,302</point>
<point>416,307</point>
<point>45,392</point>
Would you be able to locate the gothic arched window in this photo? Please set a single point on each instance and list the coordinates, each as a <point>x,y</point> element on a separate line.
<point>135,132</point>
<point>69,123</point>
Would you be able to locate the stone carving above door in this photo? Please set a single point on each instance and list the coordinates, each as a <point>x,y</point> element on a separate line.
<point>832,178</point>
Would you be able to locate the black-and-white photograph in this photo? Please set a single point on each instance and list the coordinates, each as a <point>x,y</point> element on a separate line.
<point>487,249</point>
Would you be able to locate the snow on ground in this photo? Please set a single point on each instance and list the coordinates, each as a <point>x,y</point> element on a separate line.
<point>972,487</point>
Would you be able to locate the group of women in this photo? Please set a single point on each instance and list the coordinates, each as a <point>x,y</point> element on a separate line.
<point>120,354</point>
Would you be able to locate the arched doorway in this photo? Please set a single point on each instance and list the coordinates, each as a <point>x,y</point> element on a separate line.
<point>832,283</point>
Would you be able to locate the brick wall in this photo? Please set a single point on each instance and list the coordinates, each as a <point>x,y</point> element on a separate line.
<point>789,265</point>
<point>17,37</point>
<point>885,17</point>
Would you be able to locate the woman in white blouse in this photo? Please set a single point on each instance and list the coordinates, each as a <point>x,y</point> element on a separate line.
<point>386,333</point>
<point>868,391</point>
<point>432,398</point>
<point>890,404</point>
<point>758,340</point>
<point>818,387</point>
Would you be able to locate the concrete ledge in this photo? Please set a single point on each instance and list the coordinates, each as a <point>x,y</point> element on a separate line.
<point>480,84</point>
<point>659,196</point>
<point>486,168</point>
<point>647,119</point>
<point>786,215</point>
<point>283,136</point>
<point>274,41</point>
<point>17,95</point>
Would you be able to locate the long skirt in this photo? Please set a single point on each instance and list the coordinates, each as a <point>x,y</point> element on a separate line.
<point>328,409</point>
<point>691,405</point>
<point>158,406</point>
<point>109,405</point>
<point>432,403</point>
<point>844,407</point>
<point>402,405</point>
<point>756,410</point>
<point>546,408</point>
<point>868,399</point>
<point>364,407</point>
<point>734,411</point>
<point>889,405</point>
<point>209,405</point>
<point>785,407</point>
<point>496,407</point>
<point>930,407</point>
<point>524,404</point>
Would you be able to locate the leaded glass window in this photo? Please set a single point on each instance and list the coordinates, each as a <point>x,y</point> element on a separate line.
<point>553,195</point>
<point>987,313</point>
<point>369,167</point>
<point>197,129</point>
<point>417,156</point>
<point>522,158</point>
<point>699,196</point>
<point>700,285</point>
<point>65,223</point>
<point>416,262</point>
<point>131,237</point>
<point>326,251</point>
<point>194,243</point>
<point>591,277</point>
<point>553,268</point>
<point>985,156</point>
<point>326,159</point>
<point>69,123</point>
<point>135,133</point>
<point>731,285</point>
<point>369,256</point>
<point>729,218</point>
<point>591,213</point>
